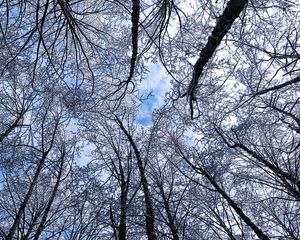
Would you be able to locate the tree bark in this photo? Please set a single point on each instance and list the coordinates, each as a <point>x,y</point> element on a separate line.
<point>50,202</point>
<point>37,173</point>
<point>224,23</point>
<point>259,233</point>
<point>171,222</point>
<point>148,201</point>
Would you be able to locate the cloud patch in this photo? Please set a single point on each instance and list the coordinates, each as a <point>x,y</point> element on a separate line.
<point>154,88</point>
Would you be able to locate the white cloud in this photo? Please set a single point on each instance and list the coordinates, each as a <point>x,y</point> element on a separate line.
<point>157,83</point>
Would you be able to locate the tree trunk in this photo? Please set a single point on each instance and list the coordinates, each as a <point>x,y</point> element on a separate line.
<point>148,202</point>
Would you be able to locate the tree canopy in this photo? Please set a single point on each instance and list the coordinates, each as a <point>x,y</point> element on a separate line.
<point>220,158</point>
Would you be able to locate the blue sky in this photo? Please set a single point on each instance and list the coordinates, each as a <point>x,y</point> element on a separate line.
<point>157,83</point>
<point>144,116</point>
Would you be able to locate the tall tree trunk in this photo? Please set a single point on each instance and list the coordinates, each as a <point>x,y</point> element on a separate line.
<point>37,173</point>
<point>12,126</point>
<point>224,23</point>
<point>147,197</point>
<point>23,205</point>
<point>171,222</point>
<point>123,214</point>
<point>50,202</point>
<point>259,233</point>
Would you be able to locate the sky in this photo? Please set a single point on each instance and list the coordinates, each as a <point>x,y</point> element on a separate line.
<point>157,83</point>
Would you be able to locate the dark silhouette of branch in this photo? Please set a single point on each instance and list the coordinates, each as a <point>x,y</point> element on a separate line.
<point>135,16</point>
<point>231,12</point>
<point>281,174</point>
<point>200,170</point>
<point>277,87</point>
<point>34,182</point>
<point>53,195</point>
<point>148,201</point>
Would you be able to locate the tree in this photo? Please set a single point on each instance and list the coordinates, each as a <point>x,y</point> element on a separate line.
<point>220,158</point>
<point>114,155</point>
